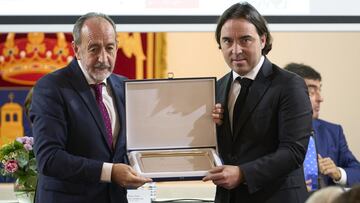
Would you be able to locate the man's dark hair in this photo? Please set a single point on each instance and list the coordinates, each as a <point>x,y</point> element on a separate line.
<point>303,71</point>
<point>248,12</point>
<point>80,23</point>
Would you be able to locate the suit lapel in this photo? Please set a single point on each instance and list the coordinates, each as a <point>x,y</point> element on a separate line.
<point>223,99</point>
<point>118,93</point>
<point>319,130</point>
<point>256,92</point>
<point>322,143</point>
<point>81,86</point>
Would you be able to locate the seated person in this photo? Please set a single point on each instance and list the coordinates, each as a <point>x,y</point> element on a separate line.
<point>337,164</point>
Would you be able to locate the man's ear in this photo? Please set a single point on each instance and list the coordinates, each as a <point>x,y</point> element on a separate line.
<point>76,50</point>
<point>262,41</point>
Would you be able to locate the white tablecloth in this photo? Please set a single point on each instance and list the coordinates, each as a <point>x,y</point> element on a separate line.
<point>164,191</point>
<point>7,193</point>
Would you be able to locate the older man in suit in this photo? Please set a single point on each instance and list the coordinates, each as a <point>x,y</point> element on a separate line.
<point>78,122</point>
<point>262,133</point>
<point>336,162</point>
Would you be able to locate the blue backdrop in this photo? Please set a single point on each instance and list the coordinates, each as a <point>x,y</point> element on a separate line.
<point>19,95</point>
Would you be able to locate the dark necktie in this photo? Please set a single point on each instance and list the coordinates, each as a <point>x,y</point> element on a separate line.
<point>310,165</point>
<point>105,115</point>
<point>240,100</point>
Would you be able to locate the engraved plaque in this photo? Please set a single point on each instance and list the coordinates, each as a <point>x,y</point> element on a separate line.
<point>157,162</point>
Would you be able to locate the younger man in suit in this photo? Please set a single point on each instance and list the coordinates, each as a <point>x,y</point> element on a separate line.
<point>262,133</point>
<point>336,162</point>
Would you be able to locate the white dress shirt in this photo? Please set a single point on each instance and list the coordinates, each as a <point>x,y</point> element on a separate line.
<point>108,99</point>
<point>343,178</point>
<point>236,87</point>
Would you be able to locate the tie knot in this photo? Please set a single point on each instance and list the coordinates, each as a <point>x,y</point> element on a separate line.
<point>97,88</point>
<point>244,82</point>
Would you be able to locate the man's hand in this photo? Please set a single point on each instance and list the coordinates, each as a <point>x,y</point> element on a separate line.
<point>127,177</point>
<point>225,176</point>
<point>328,167</point>
<point>308,185</point>
<point>217,114</point>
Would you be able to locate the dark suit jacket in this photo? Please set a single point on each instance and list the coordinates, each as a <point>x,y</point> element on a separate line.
<point>270,139</point>
<point>331,142</point>
<point>70,138</point>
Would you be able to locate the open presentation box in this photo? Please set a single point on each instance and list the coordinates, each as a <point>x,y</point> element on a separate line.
<point>169,128</point>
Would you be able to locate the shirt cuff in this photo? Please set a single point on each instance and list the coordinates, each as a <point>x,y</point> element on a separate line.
<point>343,178</point>
<point>106,172</point>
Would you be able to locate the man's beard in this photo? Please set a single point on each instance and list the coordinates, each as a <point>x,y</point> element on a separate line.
<point>100,76</point>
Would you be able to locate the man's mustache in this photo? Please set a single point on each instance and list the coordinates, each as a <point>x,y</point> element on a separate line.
<point>102,66</point>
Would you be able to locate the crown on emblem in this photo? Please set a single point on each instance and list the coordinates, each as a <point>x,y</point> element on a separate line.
<point>23,60</point>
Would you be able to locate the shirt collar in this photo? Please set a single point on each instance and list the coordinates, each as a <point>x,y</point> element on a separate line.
<point>89,80</point>
<point>252,74</point>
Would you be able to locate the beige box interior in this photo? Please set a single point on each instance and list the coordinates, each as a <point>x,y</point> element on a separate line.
<point>170,131</point>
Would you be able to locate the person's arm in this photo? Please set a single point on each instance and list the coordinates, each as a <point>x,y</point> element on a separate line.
<point>50,131</point>
<point>294,117</point>
<point>347,161</point>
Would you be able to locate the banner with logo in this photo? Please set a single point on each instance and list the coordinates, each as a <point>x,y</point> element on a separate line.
<point>26,57</point>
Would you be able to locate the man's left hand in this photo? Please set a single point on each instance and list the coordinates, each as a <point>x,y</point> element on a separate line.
<point>217,114</point>
<point>328,167</point>
<point>226,176</point>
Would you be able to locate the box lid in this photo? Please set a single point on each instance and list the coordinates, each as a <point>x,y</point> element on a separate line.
<point>170,113</point>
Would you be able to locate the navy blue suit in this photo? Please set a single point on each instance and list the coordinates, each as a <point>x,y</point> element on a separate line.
<point>70,138</point>
<point>331,142</point>
<point>270,139</point>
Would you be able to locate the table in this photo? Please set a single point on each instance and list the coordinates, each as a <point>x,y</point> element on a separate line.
<point>175,192</point>
<point>7,193</point>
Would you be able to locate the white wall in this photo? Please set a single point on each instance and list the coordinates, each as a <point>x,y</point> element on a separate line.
<point>334,54</point>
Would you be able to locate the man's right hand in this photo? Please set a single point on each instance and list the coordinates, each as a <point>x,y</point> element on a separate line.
<point>126,177</point>
<point>225,176</point>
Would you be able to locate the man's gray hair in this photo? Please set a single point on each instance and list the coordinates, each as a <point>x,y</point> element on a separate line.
<point>80,23</point>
